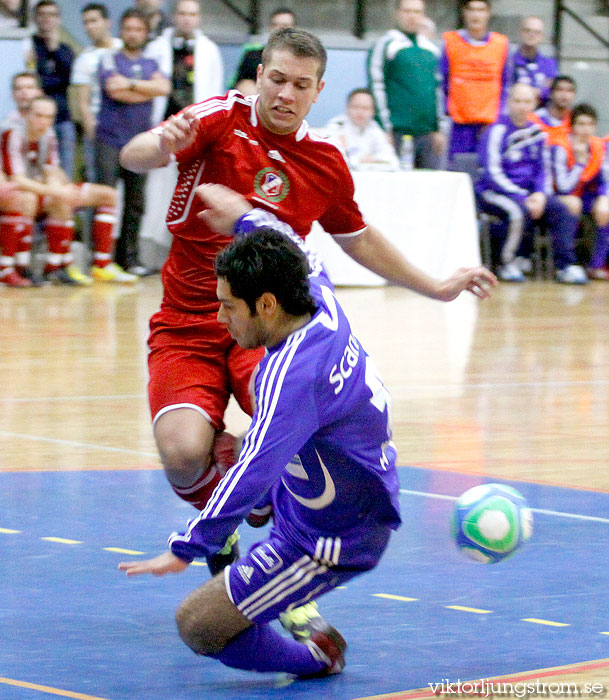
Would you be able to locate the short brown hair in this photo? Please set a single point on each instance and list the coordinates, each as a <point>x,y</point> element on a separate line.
<point>25,74</point>
<point>298,42</point>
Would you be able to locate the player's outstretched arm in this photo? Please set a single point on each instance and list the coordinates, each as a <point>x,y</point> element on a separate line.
<point>154,149</point>
<point>372,250</point>
<point>166,563</point>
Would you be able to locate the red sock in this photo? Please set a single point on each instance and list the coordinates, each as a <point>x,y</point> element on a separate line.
<point>10,224</point>
<point>24,244</point>
<point>59,238</point>
<point>103,226</point>
<point>199,492</point>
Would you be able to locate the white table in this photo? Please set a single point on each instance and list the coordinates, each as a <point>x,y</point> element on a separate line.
<point>429,215</point>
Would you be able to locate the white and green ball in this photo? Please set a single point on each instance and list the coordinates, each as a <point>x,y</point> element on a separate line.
<point>490,522</point>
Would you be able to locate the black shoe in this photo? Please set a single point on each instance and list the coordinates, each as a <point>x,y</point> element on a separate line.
<point>36,280</point>
<point>59,276</point>
<point>226,556</point>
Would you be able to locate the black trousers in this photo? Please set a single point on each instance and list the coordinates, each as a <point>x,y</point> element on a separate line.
<point>109,171</point>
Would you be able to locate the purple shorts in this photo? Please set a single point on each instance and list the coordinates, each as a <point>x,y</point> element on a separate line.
<point>275,575</point>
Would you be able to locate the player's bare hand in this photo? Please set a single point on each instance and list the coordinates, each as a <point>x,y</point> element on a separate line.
<point>224,207</point>
<point>178,133</point>
<point>477,280</point>
<point>166,563</point>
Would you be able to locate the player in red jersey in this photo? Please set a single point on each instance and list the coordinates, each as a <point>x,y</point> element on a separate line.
<point>261,147</point>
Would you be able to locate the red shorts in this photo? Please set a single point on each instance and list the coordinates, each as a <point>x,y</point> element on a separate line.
<point>194,362</point>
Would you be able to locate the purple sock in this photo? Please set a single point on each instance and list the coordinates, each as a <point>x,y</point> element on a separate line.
<point>260,648</point>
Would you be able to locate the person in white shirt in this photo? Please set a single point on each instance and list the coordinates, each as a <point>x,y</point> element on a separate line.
<point>97,25</point>
<point>193,64</point>
<point>363,140</point>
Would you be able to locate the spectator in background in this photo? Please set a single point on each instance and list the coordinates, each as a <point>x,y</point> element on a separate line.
<point>194,64</point>
<point>52,60</point>
<point>579,180</point>
<point>402,74</point>
<point>25,87</point>
<point>157,20</point>
<point>30,159</point>
<point>476,69</point>
<point>555,117</point>
<point>530,65</point>
<point>97,25</point>
<point>514,187</point>
<point>191,60</point>
<point>130,82</point>
<point>11,13</point>
<point>244,79</point>
<point>362,139</point>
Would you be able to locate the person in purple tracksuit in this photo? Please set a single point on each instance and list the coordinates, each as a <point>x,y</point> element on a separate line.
<point>515,188</point>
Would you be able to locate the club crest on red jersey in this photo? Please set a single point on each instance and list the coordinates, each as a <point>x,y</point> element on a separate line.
<point>272,184</point>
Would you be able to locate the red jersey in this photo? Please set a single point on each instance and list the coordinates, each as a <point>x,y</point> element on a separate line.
<point>28,158</point>
<point>300,177</point>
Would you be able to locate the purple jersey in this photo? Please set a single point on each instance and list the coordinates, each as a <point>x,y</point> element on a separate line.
<point>539,72</point>
<point>118,122</point>
<point>319,446</point>
<point>513,159</point>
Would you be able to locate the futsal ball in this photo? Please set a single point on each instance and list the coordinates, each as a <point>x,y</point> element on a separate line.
<point>490,522</point>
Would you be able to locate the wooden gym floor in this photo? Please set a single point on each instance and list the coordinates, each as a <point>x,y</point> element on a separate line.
<point>514,389</point>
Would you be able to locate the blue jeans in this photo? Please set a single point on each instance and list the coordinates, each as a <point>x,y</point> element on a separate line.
<point>66,135</point>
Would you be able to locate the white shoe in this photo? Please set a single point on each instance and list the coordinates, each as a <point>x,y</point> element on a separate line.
<point>510,273</point>
<point>572,274</point>
<point>523,264</point>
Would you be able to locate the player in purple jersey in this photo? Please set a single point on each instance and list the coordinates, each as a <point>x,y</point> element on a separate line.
<point>336,501</point>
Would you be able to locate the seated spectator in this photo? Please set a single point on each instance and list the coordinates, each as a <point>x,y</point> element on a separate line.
<point>11,204</point>
<point>513,187</point>
<point>362,139</point>
<point>531,67</point>
<point>579,180</point>
<point>52,60</point>
<point>244,79</point>
<point>30,159</point>
<point>555,117</point>
<point>24,87</point>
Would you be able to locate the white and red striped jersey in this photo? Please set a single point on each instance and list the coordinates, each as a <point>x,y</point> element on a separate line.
<point>28,158</point>
<point>299,177</point>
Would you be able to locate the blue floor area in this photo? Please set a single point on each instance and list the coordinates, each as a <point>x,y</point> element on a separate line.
<point>71,621</point>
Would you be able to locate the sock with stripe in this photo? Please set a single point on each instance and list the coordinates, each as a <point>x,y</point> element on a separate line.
<point>9,238</point>
<point>261,648</point>
<point>59,238</point>
<point>200,490</point>
<point>103,226</point>
<point>24,245</point>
